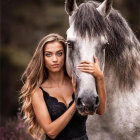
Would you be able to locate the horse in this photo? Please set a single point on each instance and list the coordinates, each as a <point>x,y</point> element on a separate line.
<point>98,29</point>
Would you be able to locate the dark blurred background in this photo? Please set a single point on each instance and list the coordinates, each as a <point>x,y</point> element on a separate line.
<point>23,24</point>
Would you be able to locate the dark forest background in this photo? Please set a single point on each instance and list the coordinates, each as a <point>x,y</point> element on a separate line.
<point>23,23</point>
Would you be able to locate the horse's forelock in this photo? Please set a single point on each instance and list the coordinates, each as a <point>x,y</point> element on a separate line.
<point>88,21</point>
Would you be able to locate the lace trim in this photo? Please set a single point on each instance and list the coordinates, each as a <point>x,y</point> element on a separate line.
<point>59,102</point>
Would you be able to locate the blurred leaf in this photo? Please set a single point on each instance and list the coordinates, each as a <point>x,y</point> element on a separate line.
<point>17,57</point>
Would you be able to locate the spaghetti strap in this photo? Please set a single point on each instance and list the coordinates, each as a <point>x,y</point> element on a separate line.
<point>44,92</point>
<point>41,88</point>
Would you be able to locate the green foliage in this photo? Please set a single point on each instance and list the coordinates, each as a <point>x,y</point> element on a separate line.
<point>15,56</point>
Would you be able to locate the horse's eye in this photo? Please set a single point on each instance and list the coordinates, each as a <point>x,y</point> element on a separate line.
<point>70,44</point>
<point>105,46</point>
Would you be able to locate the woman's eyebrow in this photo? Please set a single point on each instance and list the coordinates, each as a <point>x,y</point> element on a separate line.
<point>56,51</point>
<point>60,50</point>
<point>48,51</point>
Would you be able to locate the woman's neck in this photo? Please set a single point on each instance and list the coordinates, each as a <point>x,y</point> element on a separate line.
<point>57,79</point>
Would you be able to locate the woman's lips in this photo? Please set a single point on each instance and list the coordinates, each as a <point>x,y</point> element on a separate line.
<point>55,65</point>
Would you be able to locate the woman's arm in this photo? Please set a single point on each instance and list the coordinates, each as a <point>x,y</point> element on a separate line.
<point>94,69</point>
<point>51,128</point>
<point>102,95</point>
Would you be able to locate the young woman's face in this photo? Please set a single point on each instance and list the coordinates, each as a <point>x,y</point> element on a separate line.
<point>54,56</point>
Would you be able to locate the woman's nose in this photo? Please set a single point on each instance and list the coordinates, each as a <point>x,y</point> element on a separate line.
<point>54,58</point>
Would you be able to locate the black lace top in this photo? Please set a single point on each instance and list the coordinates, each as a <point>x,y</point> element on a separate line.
<point>75,129</point>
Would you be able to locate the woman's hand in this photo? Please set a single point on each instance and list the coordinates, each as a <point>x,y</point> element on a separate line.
<point>92,68</point>
<point>74,84</point>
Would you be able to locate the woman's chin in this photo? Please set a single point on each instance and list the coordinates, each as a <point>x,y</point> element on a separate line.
<point>55,70</point>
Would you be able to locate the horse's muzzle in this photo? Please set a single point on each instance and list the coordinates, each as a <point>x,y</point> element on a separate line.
<point>87,105</point>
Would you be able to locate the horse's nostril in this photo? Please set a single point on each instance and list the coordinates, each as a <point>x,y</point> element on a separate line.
<point>97,100</point>
<point>79,101</point>
<point>86,108</point>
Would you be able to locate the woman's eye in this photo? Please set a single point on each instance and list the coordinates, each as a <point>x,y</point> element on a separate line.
<point>48,54</point>
<point>59,54</point>
<point>70,44</point>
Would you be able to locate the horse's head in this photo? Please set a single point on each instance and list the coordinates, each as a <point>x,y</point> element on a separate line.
<point>86,37</point>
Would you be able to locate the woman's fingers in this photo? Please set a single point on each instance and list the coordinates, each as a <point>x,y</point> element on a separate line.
<point>91,67</point>
<point>88,71</point>
<point>88,62</point>
<point>85,65</point>
<point>85,68</point>
<point>85,62</point>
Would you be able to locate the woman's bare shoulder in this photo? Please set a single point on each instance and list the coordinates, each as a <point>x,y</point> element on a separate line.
<point>45,84</point>
<point>37,93</point>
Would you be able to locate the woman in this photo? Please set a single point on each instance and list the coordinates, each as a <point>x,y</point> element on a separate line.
<point>48,93</point>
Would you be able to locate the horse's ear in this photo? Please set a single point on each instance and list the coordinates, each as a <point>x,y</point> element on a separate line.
<point>105,8</point>
<point>70,6</point>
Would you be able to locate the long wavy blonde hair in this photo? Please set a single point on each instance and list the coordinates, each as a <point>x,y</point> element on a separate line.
<point>33,77</point>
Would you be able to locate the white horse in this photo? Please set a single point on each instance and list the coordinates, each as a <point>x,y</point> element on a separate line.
<point>98,29</point>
